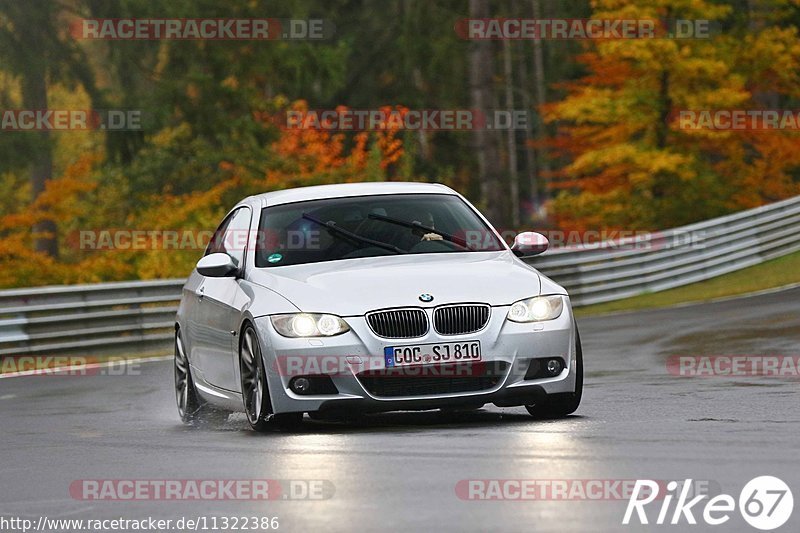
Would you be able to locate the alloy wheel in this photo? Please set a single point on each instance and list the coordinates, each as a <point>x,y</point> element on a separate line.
<point>181,377</point>
<point>252,377</point>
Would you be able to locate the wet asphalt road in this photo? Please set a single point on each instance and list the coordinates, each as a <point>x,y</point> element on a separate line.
<point>399,471</point>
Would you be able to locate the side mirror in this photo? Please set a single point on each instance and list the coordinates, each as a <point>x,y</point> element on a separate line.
<point>529,243</point>
<point>216,266</point>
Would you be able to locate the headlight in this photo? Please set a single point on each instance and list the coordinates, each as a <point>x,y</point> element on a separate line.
<point>309,325</point>
<point>536,309</point>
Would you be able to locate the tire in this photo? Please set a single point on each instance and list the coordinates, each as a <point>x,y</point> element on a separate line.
<point>192,409</point>
<point>255,392</point>
<point>564,403</point>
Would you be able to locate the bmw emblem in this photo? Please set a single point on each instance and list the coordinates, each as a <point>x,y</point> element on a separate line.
<point>426,297</point>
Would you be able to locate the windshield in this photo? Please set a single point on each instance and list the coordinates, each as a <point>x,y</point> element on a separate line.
<point>370,226</point>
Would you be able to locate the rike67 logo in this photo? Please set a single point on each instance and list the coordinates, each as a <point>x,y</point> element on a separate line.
<point>765,503</point>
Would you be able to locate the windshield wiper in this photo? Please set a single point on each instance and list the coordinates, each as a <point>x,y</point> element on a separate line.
<point>336,230</point>
<point>426,229</point>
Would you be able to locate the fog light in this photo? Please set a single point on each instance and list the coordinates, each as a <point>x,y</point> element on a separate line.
<point>545,368</point>
<point>300,385</point>
<point>553,367</point>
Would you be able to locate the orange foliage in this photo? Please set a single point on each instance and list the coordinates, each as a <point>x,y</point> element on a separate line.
<point>321,155</point>
<point>299,156</point>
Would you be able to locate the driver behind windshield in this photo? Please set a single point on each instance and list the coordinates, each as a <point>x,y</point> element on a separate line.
<point>427,220</point>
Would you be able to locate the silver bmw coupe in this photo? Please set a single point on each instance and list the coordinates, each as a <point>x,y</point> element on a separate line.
<point>340,299</point>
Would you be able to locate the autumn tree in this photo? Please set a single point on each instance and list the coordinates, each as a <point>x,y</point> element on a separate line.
<point>628,163</point>
<point>28,34</point>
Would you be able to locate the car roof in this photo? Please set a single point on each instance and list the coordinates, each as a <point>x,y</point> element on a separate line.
<point>340,190</point>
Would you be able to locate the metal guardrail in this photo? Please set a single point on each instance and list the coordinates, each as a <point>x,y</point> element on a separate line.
<point>138,316</point>
<point>680,256</point>
<point>100,318</point>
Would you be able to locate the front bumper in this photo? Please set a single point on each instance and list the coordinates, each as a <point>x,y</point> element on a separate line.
<point>511,345</point>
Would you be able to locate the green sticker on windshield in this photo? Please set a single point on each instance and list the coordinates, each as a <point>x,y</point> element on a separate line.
<point>274,258</point>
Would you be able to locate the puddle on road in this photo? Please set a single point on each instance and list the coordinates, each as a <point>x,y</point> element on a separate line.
<point>769,335</point>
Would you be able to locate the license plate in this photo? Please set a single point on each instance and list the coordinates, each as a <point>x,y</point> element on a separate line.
<point>423,354</point>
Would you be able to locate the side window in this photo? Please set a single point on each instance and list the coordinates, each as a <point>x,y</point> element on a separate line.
<point>236,235</point>
<point>217,243</point>
<point>231,236</point>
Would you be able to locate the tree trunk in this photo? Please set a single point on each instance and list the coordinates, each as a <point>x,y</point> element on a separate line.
<point>530,158</point>
<point>34,97</point>
<point>511,142</point>
<point>481,69</point>
<point>541,97</point>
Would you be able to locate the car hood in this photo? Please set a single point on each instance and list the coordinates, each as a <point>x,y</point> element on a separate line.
<point>355,286</point>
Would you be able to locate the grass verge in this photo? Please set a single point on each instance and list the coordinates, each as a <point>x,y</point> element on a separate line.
<point>775,273</point>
